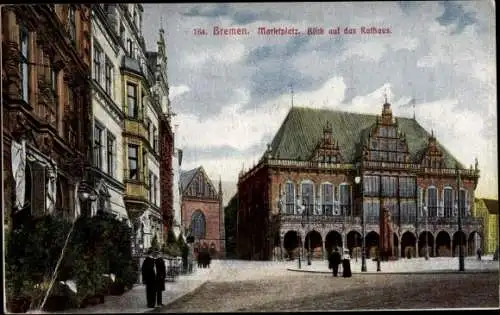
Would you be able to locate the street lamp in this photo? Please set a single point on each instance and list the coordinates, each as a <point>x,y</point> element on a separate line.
<point>86,193</point>
<point>426,232</point>
<point>461,264</point>
<point>357,180</point>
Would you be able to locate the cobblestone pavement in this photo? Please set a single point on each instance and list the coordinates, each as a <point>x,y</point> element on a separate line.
<point>303,292</point>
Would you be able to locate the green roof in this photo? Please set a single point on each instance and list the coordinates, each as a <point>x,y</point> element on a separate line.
<point>303,128</point>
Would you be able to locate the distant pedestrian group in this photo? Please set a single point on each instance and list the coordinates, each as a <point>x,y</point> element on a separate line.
<point>334,260</point>
<point>153,276</point>
<point>204,259</point>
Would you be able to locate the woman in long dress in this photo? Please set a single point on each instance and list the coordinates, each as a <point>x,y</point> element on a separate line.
<point>346,265</point>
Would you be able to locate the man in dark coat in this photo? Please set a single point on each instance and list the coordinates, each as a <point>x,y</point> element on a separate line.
<point>149,278</point>
<point>161,274</point>
<point>334,261</point>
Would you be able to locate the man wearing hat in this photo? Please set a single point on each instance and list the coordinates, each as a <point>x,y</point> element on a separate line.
<point>149,277</point>
<point>161,274</point>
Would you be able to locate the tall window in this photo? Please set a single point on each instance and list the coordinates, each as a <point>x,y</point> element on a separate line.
<point>122,33</point>
<point>97,63</point>
<point>98,139</point>
<point>308,197</point>
<point>448,202</point>
<point>155,191</point>
<point>432,202</point>
<point>23,65</point>
<point>111,153</point>
<point>371,185</point>
<point>150,186</point>
<point>71,23</point>
<point>392,206</point>
<point>345,199</point>
<point>144,160</point>
<point>372,210</point>
<point>198,225</point>
<point>408,211</point>
<point>109,77</point>
<point>389,186</point>
<point>53,78</point>
<point>289,198</point>
<point>327,198</point>
<point>132,100</point>
<point>130,48</point>
<point>462,202</point>
<point>155,139</point>
<point>148,126</point>
<point>407,187</point>
<point>133,153</point>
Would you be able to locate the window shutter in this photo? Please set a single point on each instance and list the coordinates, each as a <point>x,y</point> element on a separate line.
<point>38,190</point>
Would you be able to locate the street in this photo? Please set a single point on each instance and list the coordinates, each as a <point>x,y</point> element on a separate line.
<point>308,292</point>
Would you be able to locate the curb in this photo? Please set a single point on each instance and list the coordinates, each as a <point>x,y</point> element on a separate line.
<point>401,272</point>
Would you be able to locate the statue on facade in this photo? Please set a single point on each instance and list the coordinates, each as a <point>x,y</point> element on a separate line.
<point>18,158</point>
<point>51,188</point>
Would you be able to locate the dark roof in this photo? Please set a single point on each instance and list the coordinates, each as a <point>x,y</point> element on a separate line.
<point>303,127</point>
<point>492,205</point>
<point>187,176</point>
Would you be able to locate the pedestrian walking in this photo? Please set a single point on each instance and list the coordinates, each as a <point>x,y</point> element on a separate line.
<point>479,252</point>
<point>334,261</point>
<point>149,278</point>
<point>161,274</point>
<point>346,265</point>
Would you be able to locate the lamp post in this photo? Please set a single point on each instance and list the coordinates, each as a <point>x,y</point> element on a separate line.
<point>357,180</point>
<point>309,238</point>
<point>461,264</point>
<point>426,232</point>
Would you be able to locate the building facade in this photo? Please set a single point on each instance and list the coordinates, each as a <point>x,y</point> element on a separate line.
<point>46,106</point>
<point>108,116</point>
<point>327,176</point>
<point>202,212</point>
<point>176,191</point>
<point>487,210</point>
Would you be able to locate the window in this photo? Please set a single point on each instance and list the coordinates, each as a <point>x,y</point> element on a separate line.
<point>407,187</point>
<point>109,77</point>
<point>371,185</point>
<point>327,198</point>
<point>389,186</point>
<point>71,23</point>
<point>432,203</point>
<point>148,127</point>
<point>462,202</point>
<point>122,33</point>
<point>111,153</point>
<point>448,202</point>
<point>198,225</point>
<point>53,78</point>
<point>408,211</point>
<point>132,100</point>
<point>156,185</point>
<point>155,139</point>
<point>372,210</point>
<point>133,152</point>
<point>144,160</point>
<point>150,186</point>
<point>392,206</point>
<point>98,135</point>
<point>345,199</point>
<point>97,63</point>
<point>289,198</point>
<point>23,65</point>
<point>130,48</point>
<point>308,198</point>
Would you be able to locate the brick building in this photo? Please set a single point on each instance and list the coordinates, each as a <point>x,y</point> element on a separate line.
<point>487,210</point>
<point>303,193</point>
<point>202,211</point>
<point>46,107</point>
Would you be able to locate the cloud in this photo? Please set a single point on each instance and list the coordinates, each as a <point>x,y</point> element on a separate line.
<point>176,91</point>
<point>455,14</point>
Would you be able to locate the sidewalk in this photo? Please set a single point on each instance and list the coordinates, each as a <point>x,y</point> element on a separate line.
<point>134,301</point>
<point>434,265</point>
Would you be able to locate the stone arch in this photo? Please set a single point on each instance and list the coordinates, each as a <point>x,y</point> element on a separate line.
<point>443,244</point>
<point>459,239</point>
<point>291,244</point>
<point>314,243</point>
<point>372,243</point>
<point>333,239</point>
<point>408,244</point>
<point>474,243</point>
<point>354,243</point>
<point>425,239</point>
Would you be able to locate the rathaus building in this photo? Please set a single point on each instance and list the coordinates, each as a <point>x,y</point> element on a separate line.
<point>325,168</point>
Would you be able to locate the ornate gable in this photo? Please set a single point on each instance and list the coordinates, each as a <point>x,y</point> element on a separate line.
<point>385,142</point>
<point>433,156</point>
<point>201,186</point>
<point>327,150</point>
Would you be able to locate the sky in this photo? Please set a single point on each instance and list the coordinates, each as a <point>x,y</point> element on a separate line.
<point>231,93</point>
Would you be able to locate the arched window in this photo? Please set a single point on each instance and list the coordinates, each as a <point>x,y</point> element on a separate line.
<point>198,224</point>
<point>345,199</point>
<point>289,198</point>
<point>327,198</point>
<point>307,197</point>
<point>432,202</point>
<point>448,202</point>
